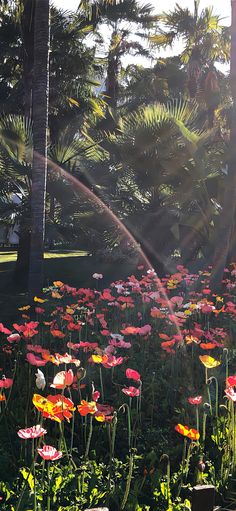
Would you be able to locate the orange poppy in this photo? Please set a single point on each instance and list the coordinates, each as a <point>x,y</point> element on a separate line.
<point>56,407</point>
<point>207,346</point>
<point>57,333</point>
<point>191,433</point>
<point>87,407</point>
<point>58,283</point>
<point>2,397</point>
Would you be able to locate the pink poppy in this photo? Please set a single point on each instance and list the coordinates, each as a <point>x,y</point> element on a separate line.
<point>13,338</point>
<point>6,383</point>
<point>4,330</point>
<point>113,361</point>
<point>195,400</point>
<point>63,379</point>
<point>145,330</point>
<point>35,361</point>
<point>49,453</point>
<point>131,391</point>
<point>33,432</point>
<point>132,374</point>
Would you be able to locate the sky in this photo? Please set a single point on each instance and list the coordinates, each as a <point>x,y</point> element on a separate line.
<point>221,7</point>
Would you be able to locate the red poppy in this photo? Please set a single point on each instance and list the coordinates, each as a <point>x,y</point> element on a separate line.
<point>132,374</point>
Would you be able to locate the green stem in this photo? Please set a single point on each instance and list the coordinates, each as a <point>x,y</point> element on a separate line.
<point>128,482</point>
<point>89,437</point>
<point>101,383</point>
<point>49,488</point>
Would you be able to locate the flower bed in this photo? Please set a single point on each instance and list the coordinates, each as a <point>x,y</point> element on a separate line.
<point>120,397</point>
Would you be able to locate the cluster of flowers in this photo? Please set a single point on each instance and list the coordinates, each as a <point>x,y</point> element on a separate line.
<point>104,326</point>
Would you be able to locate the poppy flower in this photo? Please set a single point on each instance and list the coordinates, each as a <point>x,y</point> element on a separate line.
<point>57,333</point>
<point>195,400</point>
<point>113,361</point>
<point>99,359</point>
<point>56,407</point>
<point>230,393</point>
<point>131,391</point>
<point>4,330</point>
<point>191,433</point>
<point>33,432</point>
<point>39,300</point>
<point>28,329</point>
<point>34,360</point>
<point>130,330</point>
<point>207,346</point>
<point>62,408</point>
<point>97,276</point>
<point>191,338</point>
<point>86,407</point>
<point>13,338</point>
<point>209,362</point>
<point>49,453</point>
<point>6,383</point>
<point>66,359</point>
<point>131,374</point>
<point>58,283</point>
<point>40,380</point>
<point>2,397</point>
<point>231,381</point>
<point>63,379</point>
<point>56,295</point>
<point>24,308</point>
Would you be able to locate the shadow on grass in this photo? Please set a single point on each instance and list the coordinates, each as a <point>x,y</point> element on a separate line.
<point>73,268</point>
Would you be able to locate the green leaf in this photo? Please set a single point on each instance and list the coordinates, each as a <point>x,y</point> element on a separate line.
<point>28,477</point>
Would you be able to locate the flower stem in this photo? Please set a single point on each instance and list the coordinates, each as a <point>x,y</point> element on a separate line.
<point>89,437</point>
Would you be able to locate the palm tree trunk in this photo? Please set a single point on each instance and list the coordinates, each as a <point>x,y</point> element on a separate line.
<point>40,125</point>
<point>229,206</point>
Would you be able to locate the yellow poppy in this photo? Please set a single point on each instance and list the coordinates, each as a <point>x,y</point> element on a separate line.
<point>24,308</point>
<point>209,362</point>
<point>39,300</point>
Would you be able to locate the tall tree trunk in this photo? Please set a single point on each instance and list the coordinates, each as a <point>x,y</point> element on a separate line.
<point>229,206</point>
<point>40,124</point>
<point>21,271</point>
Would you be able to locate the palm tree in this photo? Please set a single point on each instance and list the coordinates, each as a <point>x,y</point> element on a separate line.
<point>165,167</point>
<point>40,125</point>
<point>206,42</point>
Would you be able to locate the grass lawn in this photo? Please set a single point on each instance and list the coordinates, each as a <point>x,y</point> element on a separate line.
<point>72,267</point>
